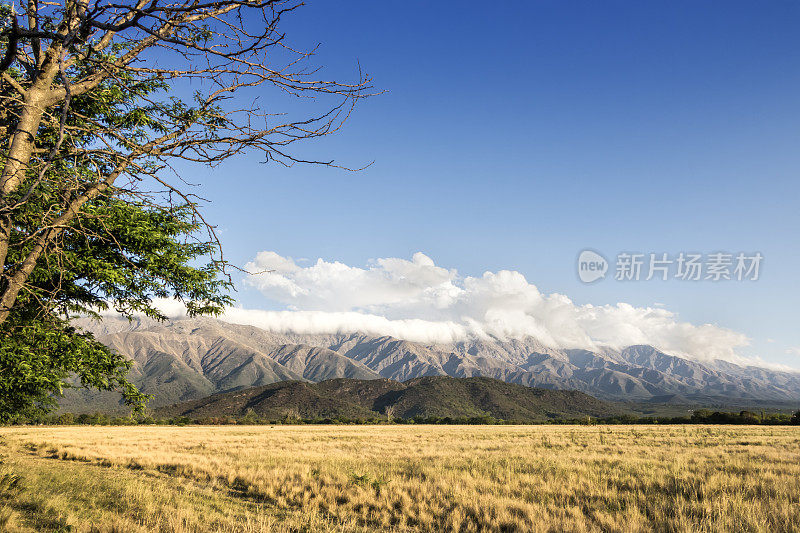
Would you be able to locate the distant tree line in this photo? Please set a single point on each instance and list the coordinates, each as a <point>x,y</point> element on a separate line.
<point>702,416</point>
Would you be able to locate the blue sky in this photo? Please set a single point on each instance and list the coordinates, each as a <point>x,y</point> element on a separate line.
<point>513,136</point>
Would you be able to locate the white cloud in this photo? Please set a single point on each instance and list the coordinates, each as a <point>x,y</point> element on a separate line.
<point>794,350</point>
<point>334,286</point>
<point>420,301</point>
<point>344,322</point>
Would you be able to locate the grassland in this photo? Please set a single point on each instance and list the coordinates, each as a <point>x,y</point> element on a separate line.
<point>401,478</point>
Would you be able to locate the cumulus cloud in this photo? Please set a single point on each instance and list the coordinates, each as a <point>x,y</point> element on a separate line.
<point>419,301</point>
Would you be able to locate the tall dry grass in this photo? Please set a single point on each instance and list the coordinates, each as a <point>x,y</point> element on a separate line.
<point>401,478</point>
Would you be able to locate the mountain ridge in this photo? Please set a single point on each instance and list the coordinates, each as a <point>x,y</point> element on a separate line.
<point>188,359</point>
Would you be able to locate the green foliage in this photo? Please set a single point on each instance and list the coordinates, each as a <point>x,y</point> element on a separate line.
<point>124,254</point>
<point>124,248</point>
<point>39,353</point>
<point>127,253</point>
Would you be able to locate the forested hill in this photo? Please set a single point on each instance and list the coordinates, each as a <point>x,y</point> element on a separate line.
<point>426,397</point>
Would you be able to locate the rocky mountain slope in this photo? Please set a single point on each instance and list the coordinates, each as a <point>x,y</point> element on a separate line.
<point>192,358</point>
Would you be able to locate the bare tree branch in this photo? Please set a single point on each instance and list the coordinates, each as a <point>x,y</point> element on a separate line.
<point>69,138</point>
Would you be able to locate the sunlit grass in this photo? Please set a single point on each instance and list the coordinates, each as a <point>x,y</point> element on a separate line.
<point>365,478</point>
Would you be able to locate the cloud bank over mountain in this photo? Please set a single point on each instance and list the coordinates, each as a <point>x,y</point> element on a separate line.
<point>419,301</point>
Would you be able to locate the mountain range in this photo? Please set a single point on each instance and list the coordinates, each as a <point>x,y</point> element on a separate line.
<point>189,359</point>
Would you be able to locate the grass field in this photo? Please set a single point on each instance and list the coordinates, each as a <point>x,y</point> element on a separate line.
<point>401,478</point>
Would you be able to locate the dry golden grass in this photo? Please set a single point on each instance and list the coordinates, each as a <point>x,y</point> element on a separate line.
<point>402,478</point>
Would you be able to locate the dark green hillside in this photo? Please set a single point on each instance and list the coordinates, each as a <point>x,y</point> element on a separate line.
<point>373,394</point>
<point>274,401</point>
<point>426,397</point>
<point>443,396</point>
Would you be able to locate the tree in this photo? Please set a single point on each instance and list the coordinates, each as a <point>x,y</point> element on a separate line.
<point>91,124</point>
<point>795,421</point>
